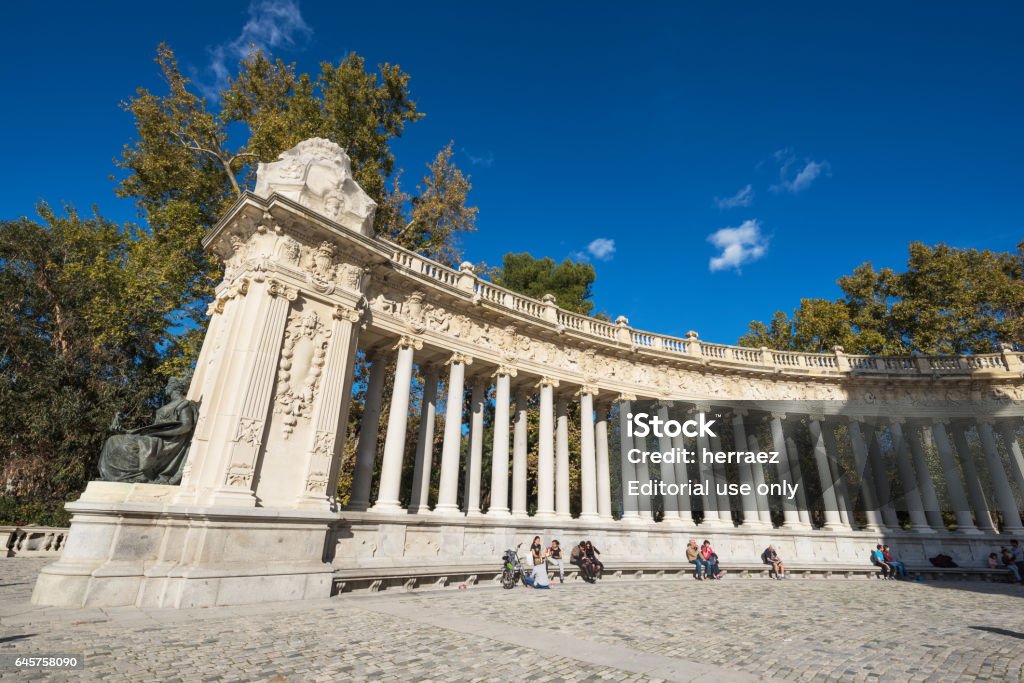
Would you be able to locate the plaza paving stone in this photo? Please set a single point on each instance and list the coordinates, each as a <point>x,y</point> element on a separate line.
<point>742,629</point>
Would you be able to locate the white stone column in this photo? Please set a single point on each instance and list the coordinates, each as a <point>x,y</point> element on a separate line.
<point>880,473</point>
<point>474,465</point>
<point>924,478</point>
<point>709,501</point>
<point>861,458</point>
<point>668,472</point>
<point>842,491</point>
<point>330,414</point>
<point>398,421</point>
<point>829,501</point>
<point>976,494</point>
<point>604,479</point>
<point>448,492</point>
<point>369,426</point>
<point>1004,494</point>
<point>546,448</point>
<point>749,502</point>
<point>764,510</point>
<point>911,496</point>
<point>630,504</point>
<point>419,500</point>
<point>683,477</point>
<point>718,471</point>
<point>1013,452</point>
<point>803,508</point>
<point>562,508</point>
<point>519,451</point>
<point>964,521</point>
<point>643,475</point>
<point>588,454</point>
<point>499,453</point>
<point>791,518</point>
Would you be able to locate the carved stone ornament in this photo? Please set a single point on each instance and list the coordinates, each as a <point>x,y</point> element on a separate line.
<point>317,174</point>
<point>277,288</point>
<point>239,288</point>
<point>323,446</point>
<point>250,431</point>
<point>320,273</point>
<point>353,315</point>
<point>239,475</point>
<point>316,484</point>
<point>303,355</point>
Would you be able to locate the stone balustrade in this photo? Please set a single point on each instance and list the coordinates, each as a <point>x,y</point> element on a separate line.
<point>33,541</point>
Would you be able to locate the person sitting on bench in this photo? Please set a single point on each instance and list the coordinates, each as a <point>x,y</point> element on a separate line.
<point>710,558</point>
<point>593,554</point>
<point>694,557</point>
<point>1006,560</point>
<point>578,557</point>
<point>770,557</point>
<point>897,566</point>
<point>878,559</point>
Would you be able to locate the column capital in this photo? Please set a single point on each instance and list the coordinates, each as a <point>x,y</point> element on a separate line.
<point>897,421</point>
<point>778,416</point>
<point>587,389</point>
<point>663,403</point>
<point>940,421</point>
<point>277,288</point>
<point>740,412</point>
<point>506,370</point>
<point>547,382</point>
<point>343,312</point>
<point>407,342</point>
<point>459,359</point>
<point>985,420</point>
<point>625,397</point>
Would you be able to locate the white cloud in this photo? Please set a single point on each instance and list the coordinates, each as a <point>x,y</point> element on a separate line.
<point>271,24</point>
<point>601,248</point>
<point>486,160</point>
<point>743,197</point>
<point>743,244</point>
<point>800,180</point>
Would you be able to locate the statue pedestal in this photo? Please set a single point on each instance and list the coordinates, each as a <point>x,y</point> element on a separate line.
<point>129,546</point>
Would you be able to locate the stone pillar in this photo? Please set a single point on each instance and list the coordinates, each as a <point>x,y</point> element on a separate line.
<point>369,425</point>
<point>842,491</point>
<point>911,495</point>
<point>475,461</point>
<point>398,420</point>
<point>562,458</point>
<point>880,472</point>
<point>668,473</point>
<point>1004,494</point>
<point>749,503</point>
<point>964,521</point>
<point>330,416</point>
<point>546,448</point>
<point>499,453</point>
<point>975,493</point>
<point>643,475</point>
<point>764,510</point>
<point>829,501</point>
<point>604,479</point>
<point>630,504</point>
<point>791,517</point>
<point>1013,453</point>
<point>924,478</point>
<point>588,455</point>
<point>519,448</point>
<point>682,477</point>
<point>861,458</point>
<point>718,471</point>
<point>419,499</point>
<point>448,492</point>
<point>803,508</point>
<point>707,475</point>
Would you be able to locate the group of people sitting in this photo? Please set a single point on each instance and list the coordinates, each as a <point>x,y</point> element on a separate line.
<point>704,559</point>
<point>1011,559</point>
<point>889,566</point>
<point>584,555</point>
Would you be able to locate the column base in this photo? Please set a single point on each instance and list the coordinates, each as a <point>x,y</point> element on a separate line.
<point>919,529</point>
<point>502,512</point>
<point>588,517</point>
<point>447,511</point>
<point>387,507</point>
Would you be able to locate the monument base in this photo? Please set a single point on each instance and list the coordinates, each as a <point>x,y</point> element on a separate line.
<point>128,545</point>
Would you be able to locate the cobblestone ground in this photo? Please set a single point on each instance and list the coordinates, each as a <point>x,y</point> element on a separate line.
<point>808,630</point>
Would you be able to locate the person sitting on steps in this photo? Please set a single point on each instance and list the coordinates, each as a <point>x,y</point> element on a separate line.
<point>897,566</point>
<point>878,559</point>
<point>578,557</point>
<point>770,557</point>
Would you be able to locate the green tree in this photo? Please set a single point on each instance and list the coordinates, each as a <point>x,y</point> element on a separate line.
<point>948,300</point>
<point>570,282</point>
<point>84,319</point>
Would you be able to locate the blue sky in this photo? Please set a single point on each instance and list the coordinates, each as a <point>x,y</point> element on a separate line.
<point>715,161</point>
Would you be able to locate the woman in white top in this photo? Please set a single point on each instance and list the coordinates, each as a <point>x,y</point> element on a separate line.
<point>539,554</point>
